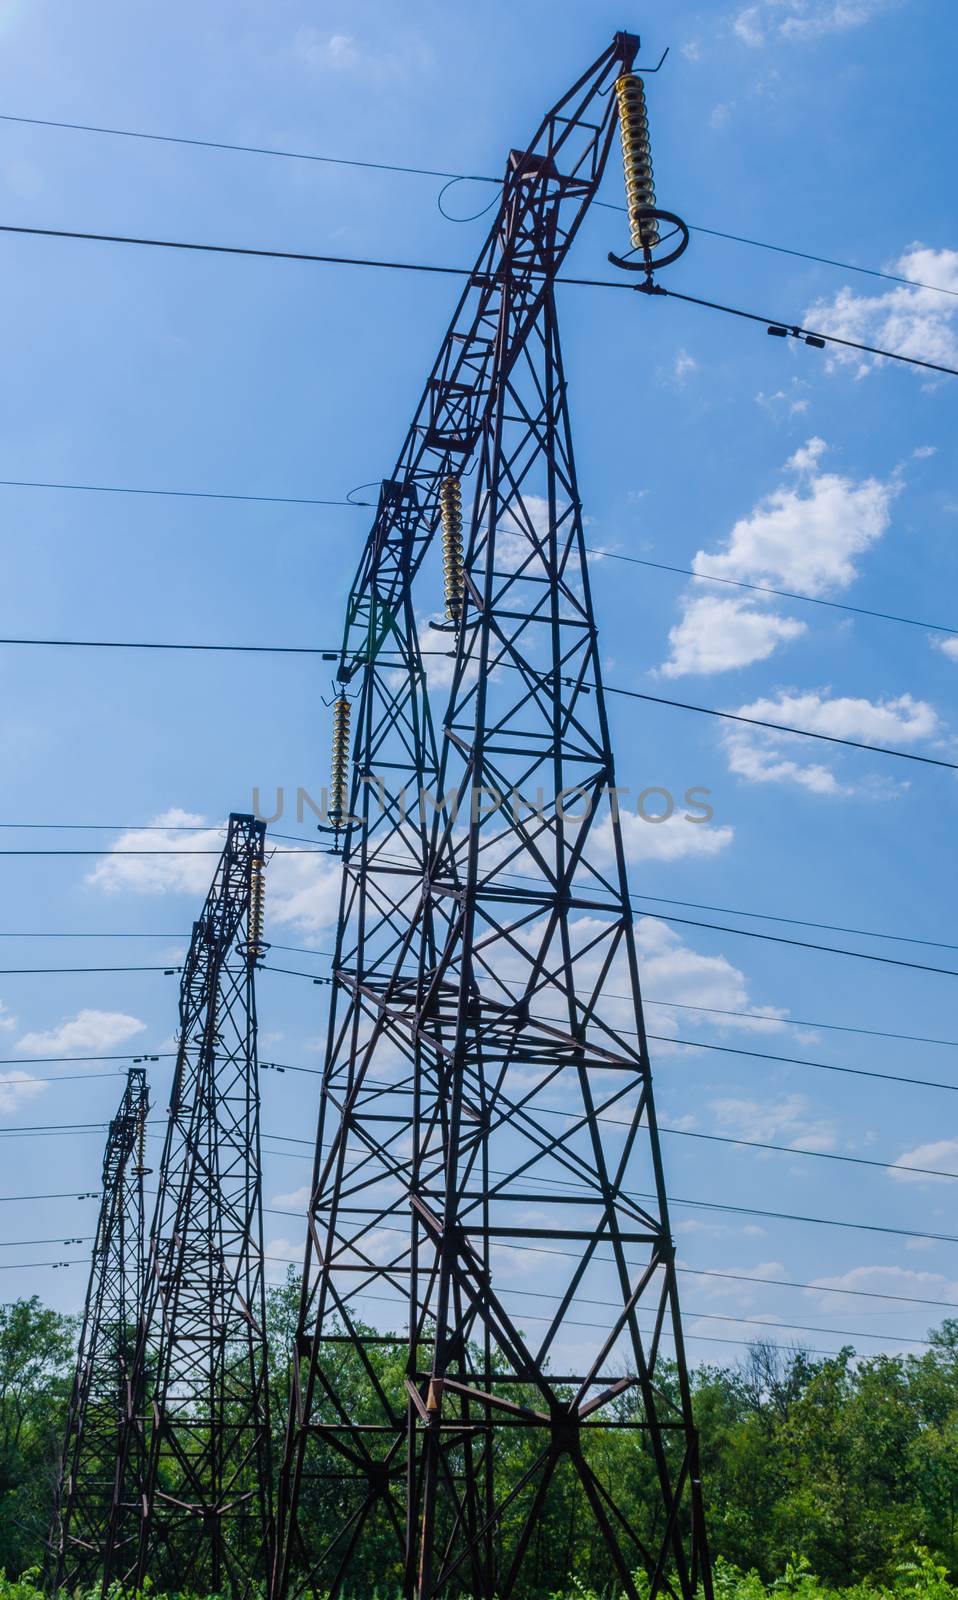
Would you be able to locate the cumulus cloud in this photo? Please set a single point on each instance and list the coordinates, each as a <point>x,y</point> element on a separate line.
<point>802,19</point>
<point>284,1250</point>
<point>879,1280</point>
<point>672,839</point>
<point>163,871</point>
<point>302,891</point>
<point>909,320</point>
<point>302,888</point>
<point>763,756</point>
<point>748,26</point>
<point>716,634</point>
<point>805,536</point>
<point>940,1155</point>
<point>789,1120</point>
<point>672,972</point>
<point>91,1031</point>
<point>732,1288</point>
<point>785,402</point>
<point>345,55</point>
<point>948,647</point>
<point>17,1087</point>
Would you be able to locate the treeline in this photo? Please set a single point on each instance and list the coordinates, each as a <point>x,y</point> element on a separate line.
<point>840,1466</point>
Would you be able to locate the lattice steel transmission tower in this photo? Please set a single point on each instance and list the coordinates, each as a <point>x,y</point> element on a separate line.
<point>102,1382</point>
<point>487,1158</point>
<point>203,1518</point>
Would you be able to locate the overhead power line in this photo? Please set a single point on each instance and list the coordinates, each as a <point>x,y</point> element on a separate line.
<point>177,494</point>
<point>314,850</point>
<point>33,1061</point>
<point>729,1049</point>
<point>8,972</point>
<point>595,550</point>
<point>779,727</point>
<point>801,1061</point>
<point>671,1005</point>
<point>63,1194</point>
<point>62,1077</point>
<point>775,324</point>
<point>781,594</point>
<point>435,172</point>
<point>711,1205</point>
<point>330,654</point>
<point>695,1272</point>
<point>294,838</point>
<point>755,933</point>
<point>701,1338</point>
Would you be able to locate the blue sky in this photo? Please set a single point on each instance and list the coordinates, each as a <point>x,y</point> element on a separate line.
<point>825,125</point>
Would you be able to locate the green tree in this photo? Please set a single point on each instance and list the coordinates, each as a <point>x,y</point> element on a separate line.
<point>36,1369</point>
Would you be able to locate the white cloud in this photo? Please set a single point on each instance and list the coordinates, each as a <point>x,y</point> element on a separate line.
<point>911,321</point>
<point>672,971</point>
<point>302,887</point>
<point>15,1088</point>
<point>803,536</point>
<point>92,1031</point>
<point>721,115</point>
<point>802,19</point>
<point>782,401</point>
<point>762,756</point>
<point>758,758</point>
<point>924,452</point>
<point>302,891</point>
<point>342,51</point>
<point>713,1286</point>
<point>948,647</point>
<point>836,16</point>
<point>7,1021</point>
<point>673,839</point>
<point>692,50</point>
<point>902,719</point>
<point>747,26</point>
<point>806,535</point>
<point>941,1155</point>
<point>787,1120</point>
<point>716,634</point>
<point>296,1200</point>
<point>880,1280</point>
<point>163,871</point>
<point>284,1250</point>
<point>344,54</point>
<point>684,364</point>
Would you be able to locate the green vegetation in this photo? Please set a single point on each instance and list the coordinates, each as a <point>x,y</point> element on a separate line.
<point>827,1479</point>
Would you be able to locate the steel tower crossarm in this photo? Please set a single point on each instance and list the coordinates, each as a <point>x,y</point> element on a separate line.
<point>102,1382</point>
<point>546,191</point>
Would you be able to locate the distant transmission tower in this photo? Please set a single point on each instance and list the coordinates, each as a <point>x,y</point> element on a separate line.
<point>203,1520</point>
<point>489,1292</point>
<point>101,1392</point>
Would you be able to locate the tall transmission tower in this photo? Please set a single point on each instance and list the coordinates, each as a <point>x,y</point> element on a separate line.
<point>102,1381</point>
<point>202,1521</point>
<point>487,1126</point>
